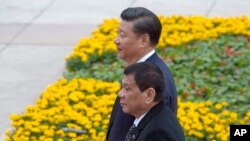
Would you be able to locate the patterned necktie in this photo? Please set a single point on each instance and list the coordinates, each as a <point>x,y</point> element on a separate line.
<point>131,135</point>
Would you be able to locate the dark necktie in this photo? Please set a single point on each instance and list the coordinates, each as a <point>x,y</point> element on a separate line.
<point>131,135</point>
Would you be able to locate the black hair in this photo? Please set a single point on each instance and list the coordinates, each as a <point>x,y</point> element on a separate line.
<point>144,22</point>
<point>147,75</point>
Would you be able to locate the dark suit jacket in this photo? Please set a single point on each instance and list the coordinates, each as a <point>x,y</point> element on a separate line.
<point>159,124</point>
<point>120,122</point>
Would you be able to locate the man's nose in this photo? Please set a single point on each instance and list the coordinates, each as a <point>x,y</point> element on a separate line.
<point>121,93</point>
<point>116,40</point>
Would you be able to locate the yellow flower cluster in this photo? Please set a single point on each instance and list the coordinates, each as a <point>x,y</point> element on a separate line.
<point>204,120</point>
<point>179,30</point>
<point>78,109</point>
<point>101,41</point>
<point>176,30</point>
<point>246,119</point>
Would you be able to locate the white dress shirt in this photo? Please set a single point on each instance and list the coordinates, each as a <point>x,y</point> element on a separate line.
<point>145,57</point>
<point>137,120</point>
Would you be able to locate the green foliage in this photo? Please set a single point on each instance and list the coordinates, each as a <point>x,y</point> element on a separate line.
<point>108,68</point>
<point>75,65</point>
<point>215,69</point>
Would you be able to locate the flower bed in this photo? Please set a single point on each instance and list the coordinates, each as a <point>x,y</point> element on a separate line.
<point>78,109</point>
<point>207,56</point>
<point>176,30</point>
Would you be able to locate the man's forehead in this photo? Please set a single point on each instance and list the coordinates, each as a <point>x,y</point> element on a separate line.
<point>127,79</point>
<point>125,24</point>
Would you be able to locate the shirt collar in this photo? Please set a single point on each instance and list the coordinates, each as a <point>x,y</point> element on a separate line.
<point>137,120</point>
<point>145,57</point>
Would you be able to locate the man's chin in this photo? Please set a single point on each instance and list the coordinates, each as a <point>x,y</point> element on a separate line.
<point>120,56</point>
<point>124,110</point>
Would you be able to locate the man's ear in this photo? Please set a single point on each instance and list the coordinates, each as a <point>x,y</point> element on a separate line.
<point>150,92</point>
<point>145,40</point>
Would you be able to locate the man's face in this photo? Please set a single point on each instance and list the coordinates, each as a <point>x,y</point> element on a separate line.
<point>132,99</point>
<point>127,42</point>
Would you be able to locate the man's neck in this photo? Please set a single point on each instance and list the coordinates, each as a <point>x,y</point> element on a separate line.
<point>137,58</point>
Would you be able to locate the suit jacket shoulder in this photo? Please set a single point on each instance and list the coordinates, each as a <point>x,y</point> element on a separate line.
<point>159,124</point>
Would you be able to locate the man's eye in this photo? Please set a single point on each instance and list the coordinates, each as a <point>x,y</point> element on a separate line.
<point>126,89</point>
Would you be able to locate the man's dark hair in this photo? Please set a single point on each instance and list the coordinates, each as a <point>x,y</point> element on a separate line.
<point>144,22</point>
<point>147,75</point>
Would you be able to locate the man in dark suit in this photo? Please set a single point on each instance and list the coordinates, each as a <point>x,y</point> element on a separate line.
<point>142,96</point>
<point>138,34</point>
